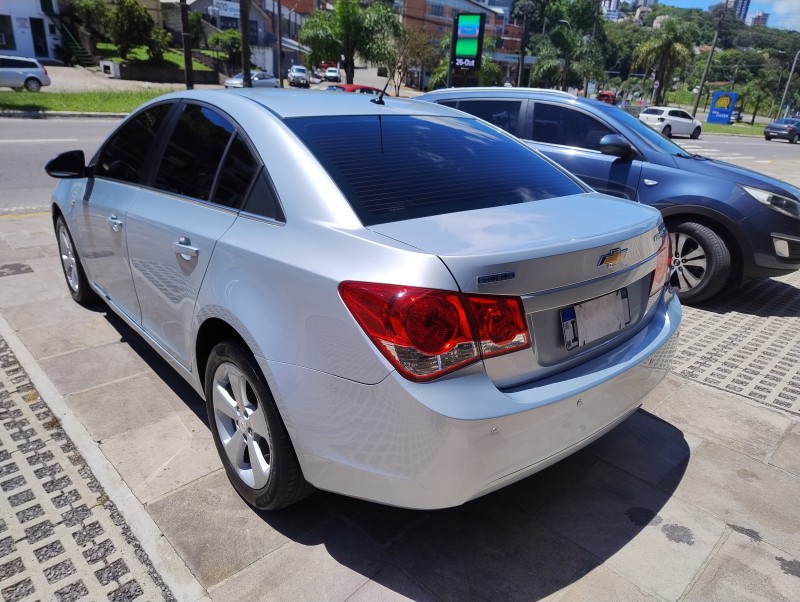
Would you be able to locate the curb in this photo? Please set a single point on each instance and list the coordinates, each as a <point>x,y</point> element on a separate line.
<point>13,114</point>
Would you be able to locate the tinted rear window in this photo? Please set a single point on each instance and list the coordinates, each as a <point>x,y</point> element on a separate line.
<point>653,111</point>
<point>403,167</point>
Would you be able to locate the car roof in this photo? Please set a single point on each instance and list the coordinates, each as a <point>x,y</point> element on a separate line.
<point>287,104</point>
<point>504,91</point>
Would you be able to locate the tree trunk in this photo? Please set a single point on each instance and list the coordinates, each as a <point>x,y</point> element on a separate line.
<point>244,26</point>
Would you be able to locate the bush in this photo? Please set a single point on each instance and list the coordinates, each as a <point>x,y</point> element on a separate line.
<point>92,13</point>
<point>196,29</point>
<point>130,26</point>
<point>158,43</point>
<point>230,41</point>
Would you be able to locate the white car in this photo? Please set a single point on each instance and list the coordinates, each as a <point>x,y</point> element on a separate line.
<point>671,121</point>
<point>332,74</point>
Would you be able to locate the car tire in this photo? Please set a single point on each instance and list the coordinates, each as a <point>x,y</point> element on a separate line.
<point>77,283</point>
<point>696,133</point>
<point>244,420</point>
<point>667,131</point>
<point>32,84</point>
<point>701,262</point>
<point>767,138</point>
<point>793,139</point>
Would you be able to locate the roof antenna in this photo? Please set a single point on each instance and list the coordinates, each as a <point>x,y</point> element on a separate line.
<point>379,100</point>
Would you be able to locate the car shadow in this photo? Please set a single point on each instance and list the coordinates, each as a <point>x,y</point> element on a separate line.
<point>764,297</point>
<point>526,541</point>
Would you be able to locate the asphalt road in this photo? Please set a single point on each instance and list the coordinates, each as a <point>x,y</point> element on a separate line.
<point>26,144</point>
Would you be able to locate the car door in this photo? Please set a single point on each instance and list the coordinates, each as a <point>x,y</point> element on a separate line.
<point>202,177</point>
<point>119,169</point>
<point>682,123</point>
<point>11,74</point>
<point>571,138</point>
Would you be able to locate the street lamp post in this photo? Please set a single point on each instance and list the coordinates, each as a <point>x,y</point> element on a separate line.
<point>788,81</point>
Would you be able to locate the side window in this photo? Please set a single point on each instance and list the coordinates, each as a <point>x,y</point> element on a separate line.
<point>261,200</point>
<point>502,113</point>
<point>448,103</point>
<point>238,170</point>
<point>561,125</point>
<point>125,155</point>
<point>193,153</point>
<point>685,115</point>
<point>675,113</point>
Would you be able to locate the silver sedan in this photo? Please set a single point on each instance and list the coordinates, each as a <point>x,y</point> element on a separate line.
<point>382,298</point>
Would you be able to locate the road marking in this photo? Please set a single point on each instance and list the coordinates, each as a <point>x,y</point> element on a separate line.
<point>21,215</point>
<point>41,140</point>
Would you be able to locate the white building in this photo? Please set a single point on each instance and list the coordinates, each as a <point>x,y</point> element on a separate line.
<point>30,28</point>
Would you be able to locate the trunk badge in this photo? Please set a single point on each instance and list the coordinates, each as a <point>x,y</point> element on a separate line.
<point>612,258</point>
<point>489,278</point>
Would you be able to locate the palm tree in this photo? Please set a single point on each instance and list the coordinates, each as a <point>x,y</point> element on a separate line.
<point>566,56</point>
<point>669,49</point>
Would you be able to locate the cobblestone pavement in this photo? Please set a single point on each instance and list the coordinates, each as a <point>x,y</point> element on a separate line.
<point>747,343</point>
<point>61,538</point>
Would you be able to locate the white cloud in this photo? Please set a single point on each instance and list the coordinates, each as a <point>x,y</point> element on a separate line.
<point>783,14</point>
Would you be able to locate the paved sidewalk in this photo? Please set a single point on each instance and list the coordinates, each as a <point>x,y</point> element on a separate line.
<point>61,537</point>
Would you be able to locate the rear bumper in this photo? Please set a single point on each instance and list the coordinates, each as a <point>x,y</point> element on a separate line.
<point>440,444</point>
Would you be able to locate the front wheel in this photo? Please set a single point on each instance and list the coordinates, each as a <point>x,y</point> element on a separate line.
<point>250,436</point>
<point>701,262</point>
<point>667,131</point>
<point>77,282</point>
<point>696,133</point>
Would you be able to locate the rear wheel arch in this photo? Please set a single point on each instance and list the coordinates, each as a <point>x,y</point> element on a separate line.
<point>211,332</point>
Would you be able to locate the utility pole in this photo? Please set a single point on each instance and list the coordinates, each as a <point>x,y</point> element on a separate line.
<point>280,48</point>
<point>522,51</point>
<point>708,62</point>
<point>788,81</point>
<point>186,38</point>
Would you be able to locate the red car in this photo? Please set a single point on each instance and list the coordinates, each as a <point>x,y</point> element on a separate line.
<point>354,88</point>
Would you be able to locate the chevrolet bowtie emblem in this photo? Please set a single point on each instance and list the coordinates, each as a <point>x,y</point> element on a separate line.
<point>612,258</point>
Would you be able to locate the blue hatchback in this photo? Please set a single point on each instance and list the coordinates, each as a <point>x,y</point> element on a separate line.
<point>726,223</point>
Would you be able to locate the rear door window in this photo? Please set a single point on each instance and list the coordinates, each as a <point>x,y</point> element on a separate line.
<point>455,164</point>
<point>502,113</point>
<point>555,124</point>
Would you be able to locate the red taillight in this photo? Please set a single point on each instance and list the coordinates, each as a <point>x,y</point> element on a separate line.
<point>663,266</point>
<point>45,69</point>
<point>426,333</point>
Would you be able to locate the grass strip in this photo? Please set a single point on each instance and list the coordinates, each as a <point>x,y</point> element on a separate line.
<point>738,129</point>
<point>81,102</point>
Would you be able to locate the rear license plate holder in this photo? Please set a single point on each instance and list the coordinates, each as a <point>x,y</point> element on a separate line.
<point>591,320</point>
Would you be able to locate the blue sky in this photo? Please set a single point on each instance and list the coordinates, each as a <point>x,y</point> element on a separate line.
<point>783,14</point>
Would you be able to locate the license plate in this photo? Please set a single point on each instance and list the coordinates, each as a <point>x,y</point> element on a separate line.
<point>592,320</point>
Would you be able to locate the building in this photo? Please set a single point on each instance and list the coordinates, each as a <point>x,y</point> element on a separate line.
<point>739,8</point>
<point>760,19</point>
<point>30,28</point>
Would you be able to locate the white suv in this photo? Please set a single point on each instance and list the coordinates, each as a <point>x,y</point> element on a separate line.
<point>22,72</point>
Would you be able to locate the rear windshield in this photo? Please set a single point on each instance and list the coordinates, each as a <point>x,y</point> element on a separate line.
<point>653,111</point>
<point>403,167</point>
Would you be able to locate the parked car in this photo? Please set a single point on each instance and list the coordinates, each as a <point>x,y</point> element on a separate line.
<point>736,117</point>
<point>727,223</point>
<point>787,128</point>
<point>298,76</point>
<point>396,302</point>
<point>260,79</point>
<point>332,74</point>
<point>671,122</point>
<point>358,88</point>
<point>21,72</point>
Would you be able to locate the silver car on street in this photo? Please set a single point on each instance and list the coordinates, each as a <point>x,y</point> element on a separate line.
<point>382,298</point>
<point>21,72</point>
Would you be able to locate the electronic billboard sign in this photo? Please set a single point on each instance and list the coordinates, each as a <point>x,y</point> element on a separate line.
<point>467,44</point>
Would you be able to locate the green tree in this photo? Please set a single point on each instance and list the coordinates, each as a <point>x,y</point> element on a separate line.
<point>197,30</point>
<point>413,49</point>
<point>92,13</point>
<point>755,96</point>
<point>666,51</point>
<point>566,57</point>
<point>158,43</point>
<point>490,73</point>
<point>129,26</point>
<point>230,42</point>
<point>350,30</point>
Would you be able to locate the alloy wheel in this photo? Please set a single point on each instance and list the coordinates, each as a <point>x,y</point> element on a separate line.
<point>689,262</point>
<point>68,259</point>
<point>242,425</point>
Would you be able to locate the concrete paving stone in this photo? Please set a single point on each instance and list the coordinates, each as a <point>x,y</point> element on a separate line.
<point>160,457</point>
<point>51,313</point>
<point>647,447</point>
<point>24,256</point>
<point>30,240</point>
<point>747,494</point>
<point>748,569</point>
<point>602,585</point>
<point>787,456</point>
<point>665,389</point>
<point>90,329</point>
<point>642,533</point>
<point>329,563</point>
<point>734,422</point>
<point>18,290</point>
<point>87,368</point>
<point>217,534</point>
<point>391,584</point>
<point>111,410</point>
<point>482,551</point>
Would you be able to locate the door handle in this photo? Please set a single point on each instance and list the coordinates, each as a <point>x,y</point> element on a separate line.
<point>185,249</point>
<point>116,224</point>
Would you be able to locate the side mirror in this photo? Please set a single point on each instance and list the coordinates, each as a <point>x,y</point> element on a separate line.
<point>70,164</point>
<point>614,144</point>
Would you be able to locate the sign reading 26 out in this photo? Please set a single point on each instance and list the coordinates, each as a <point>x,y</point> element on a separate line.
<point>467,44</point>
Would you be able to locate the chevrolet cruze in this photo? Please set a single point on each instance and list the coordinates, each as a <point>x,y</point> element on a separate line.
<point>381,298</point>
